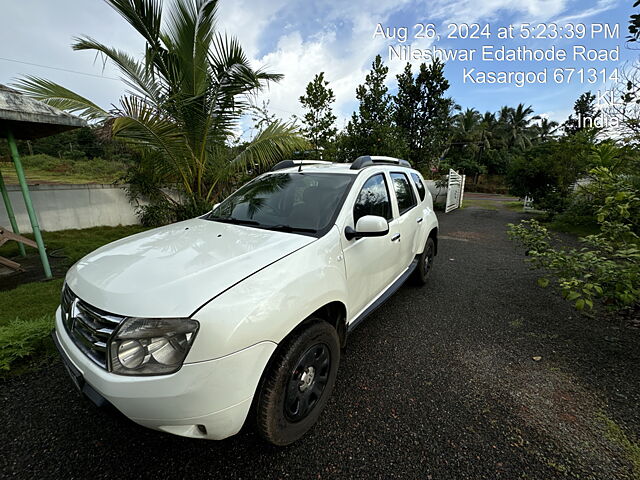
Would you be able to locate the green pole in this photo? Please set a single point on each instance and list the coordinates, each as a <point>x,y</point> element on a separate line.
<point>12,217</point>
<point>27,201</point>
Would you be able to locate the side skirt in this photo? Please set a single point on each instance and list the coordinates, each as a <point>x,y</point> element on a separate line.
<point>393,288</point>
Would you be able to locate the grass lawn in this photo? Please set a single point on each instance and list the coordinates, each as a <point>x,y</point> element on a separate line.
<point>30,301</point>
<point>26,313</point>
<point>479,203</point>
<point>47,169</point>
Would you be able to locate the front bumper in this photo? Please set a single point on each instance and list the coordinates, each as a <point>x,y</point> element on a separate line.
<point>214,394</point>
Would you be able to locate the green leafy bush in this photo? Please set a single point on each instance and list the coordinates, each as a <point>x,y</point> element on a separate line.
<point>548,171</point>
<point>607,267</point>
<point>22,338</point>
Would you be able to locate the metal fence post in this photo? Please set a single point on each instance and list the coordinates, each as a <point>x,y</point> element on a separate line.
<point>27,201</point>
<point>10,214</point>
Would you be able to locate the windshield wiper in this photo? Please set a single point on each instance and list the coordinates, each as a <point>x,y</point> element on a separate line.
<point>289,228</point>
<point>235,221</point>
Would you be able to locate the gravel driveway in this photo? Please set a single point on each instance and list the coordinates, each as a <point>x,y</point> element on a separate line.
<point>440,383</point>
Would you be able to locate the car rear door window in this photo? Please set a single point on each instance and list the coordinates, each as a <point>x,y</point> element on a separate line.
<point>373,199</point>
<point>404,192</point>
<point>419,185</point>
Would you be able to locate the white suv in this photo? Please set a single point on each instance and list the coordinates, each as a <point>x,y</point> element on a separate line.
<point>190,327</point>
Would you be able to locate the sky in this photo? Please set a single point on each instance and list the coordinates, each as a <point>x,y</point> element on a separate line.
<point>300,38</point>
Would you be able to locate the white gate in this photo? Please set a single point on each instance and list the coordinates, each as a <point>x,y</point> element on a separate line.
<point>527,204</point>
<point>455,191</point>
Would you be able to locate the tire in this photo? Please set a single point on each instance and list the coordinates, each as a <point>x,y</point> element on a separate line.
<point>425,264</point>
<point>298,383</point>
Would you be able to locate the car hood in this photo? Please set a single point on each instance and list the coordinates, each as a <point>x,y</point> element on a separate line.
<point>171,271</point>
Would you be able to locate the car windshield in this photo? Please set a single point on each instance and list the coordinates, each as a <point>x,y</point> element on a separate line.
<point>298,202</point>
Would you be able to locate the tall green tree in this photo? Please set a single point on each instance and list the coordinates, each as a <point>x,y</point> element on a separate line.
<point>519,130</point>
<point>371,130</point>
<point>634,24</point>
<point>586,112</point>
<point>423,112</point>
<point>184,101</point>
<point>319,120</point>
<point>547,130</point>
<point>469,140</point>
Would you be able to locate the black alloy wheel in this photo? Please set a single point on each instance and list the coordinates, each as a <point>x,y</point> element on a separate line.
<point>307,382</point>
<point>298,382</point>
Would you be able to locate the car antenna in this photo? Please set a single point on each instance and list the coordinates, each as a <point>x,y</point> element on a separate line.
<point>300,167</point>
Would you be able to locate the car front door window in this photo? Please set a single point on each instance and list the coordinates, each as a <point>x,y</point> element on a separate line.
<point>373,199</point>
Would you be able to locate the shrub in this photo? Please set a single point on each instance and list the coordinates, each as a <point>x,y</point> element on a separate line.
<point>22,338</point>
<point>547,172</point>
<point>607,268</point>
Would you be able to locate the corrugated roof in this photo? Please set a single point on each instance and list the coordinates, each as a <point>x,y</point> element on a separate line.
<point>28,118</point>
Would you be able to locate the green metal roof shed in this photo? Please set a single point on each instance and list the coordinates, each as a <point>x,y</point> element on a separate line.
<point>24,118</point>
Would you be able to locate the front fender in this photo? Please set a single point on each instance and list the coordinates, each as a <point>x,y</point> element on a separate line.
<point>269,304</point>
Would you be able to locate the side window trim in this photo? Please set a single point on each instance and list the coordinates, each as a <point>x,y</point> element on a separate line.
<point>415,178</point>
<point>411,189</point>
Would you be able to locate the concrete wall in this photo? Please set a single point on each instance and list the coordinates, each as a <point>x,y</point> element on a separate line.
<point>61,207</point>
<point>440,193</point>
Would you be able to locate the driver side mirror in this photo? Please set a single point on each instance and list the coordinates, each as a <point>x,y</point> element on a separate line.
<point>368,226</point>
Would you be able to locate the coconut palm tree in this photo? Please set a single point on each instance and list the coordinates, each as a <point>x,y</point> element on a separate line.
<point>465,124</point>
<point>518,123</point>
<point>547,129</point>
<point>185,97</point>
<point>488,129</point>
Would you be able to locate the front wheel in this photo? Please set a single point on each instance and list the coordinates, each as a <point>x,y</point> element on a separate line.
<point>298,383</point>
<point>425,263</point>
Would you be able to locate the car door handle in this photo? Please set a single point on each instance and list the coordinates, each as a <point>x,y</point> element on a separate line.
<point>395,238</point>
<point>420,220</point>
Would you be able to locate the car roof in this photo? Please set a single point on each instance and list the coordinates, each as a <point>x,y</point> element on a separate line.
<point>341,168</point>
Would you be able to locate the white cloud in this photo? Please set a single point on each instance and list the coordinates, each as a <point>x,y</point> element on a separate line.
<point>344,59</point>
<point>248,20</point>
<point>601,7</point>
<point>487,10</point>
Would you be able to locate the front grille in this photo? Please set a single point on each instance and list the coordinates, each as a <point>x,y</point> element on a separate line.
<point>90,328</point>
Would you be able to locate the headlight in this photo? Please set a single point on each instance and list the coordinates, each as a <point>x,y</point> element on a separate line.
<point>151,346</point>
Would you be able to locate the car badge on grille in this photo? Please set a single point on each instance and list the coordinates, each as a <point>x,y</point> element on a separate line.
<point>72,314</point>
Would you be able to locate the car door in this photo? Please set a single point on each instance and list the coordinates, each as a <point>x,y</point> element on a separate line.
<point>408,217</point>
<point>371,263</point>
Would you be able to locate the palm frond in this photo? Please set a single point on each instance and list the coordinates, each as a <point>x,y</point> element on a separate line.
<point>143,15</point>
<point>60,97</point>
<point>135,75</point>
<point>276,142</point>
<point>188,36</point>
<point>232,70</point>
<point>142,126</point>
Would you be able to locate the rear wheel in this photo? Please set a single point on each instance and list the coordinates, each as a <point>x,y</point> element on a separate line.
<point>298,383</point>
<point>425,263</point>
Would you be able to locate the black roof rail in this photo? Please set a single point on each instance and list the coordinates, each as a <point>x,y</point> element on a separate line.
<point>371,160</point>
<point>296,163</point>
